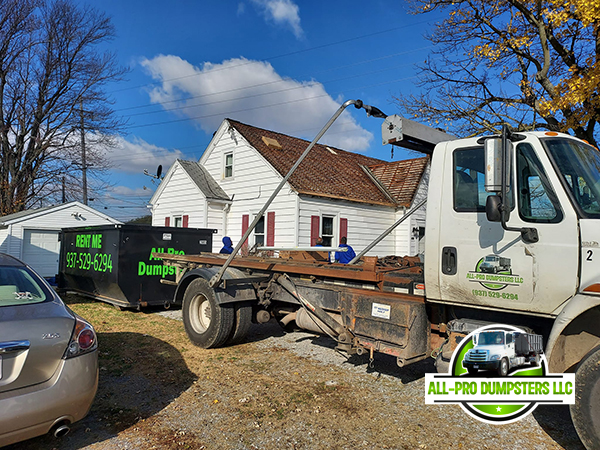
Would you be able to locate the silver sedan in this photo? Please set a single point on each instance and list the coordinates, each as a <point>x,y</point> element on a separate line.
<point>48,357</point>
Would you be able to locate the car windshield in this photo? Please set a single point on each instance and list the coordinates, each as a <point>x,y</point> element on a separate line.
<point>18,287</point>
<point>579,166</point>
<point>491,338</point>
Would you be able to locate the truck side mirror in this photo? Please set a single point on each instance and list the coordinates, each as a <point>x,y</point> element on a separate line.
<point>492,208</point>
<point>493,165</point>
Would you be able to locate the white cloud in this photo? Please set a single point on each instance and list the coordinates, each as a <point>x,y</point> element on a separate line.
<point>136,155</point>
<point>254,93</point>
<point>282,12</point>
<point>129,192</point>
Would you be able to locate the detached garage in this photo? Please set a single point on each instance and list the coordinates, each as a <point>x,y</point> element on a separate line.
<point>32,235</point>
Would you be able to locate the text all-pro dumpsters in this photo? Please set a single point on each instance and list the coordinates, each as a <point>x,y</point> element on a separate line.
<point>114,263</point>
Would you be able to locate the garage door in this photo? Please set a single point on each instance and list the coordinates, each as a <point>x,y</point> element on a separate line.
<point>41,251</point>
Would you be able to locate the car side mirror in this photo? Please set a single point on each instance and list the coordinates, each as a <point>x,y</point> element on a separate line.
<point>492,208</point>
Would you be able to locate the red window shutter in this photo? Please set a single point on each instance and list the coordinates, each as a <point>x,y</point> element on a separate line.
<point>245,224</point>
<point>271,229</point>
<point>167,221</point>
<point>186,220</point>
<point>343,228</point>
<point>314,229</point>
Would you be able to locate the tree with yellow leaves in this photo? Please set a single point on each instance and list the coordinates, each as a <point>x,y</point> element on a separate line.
<point>531,64</point>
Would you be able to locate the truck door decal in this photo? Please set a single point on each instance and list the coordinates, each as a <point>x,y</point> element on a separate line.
<point>494,272</point>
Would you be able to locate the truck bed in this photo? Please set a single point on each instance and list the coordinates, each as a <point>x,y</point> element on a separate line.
<point>391,273</point>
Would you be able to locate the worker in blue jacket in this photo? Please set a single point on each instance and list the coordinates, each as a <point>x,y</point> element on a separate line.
<point>347,256</point>
<point>227,245</point>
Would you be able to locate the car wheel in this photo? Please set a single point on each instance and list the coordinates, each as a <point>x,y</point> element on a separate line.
<point>207,324</point>
<point>472,370</point>
<point>586,410</point>
<point>241,325</point>
<point>503,367</point>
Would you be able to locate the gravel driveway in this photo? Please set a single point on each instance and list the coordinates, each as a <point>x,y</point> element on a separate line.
<point>289,391</point>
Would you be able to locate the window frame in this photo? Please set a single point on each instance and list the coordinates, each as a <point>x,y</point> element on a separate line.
<point>255,234</point>
<point>545,183</point>
<point>228,166</point>
<point>480,207</point>
<point>331,236</point>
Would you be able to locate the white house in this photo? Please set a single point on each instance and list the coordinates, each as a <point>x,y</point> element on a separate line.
<point>333,193</point>
<point>32,235</point>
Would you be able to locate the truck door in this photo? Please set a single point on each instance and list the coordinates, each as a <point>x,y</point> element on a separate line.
<point>493,267</point>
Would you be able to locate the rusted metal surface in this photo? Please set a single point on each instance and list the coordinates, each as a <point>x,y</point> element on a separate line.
<point>367,271</point>
<point>392,270</point>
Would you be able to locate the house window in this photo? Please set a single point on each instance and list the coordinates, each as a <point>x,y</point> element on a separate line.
<point>228,166</point>
<point>259,233</point>
<point>178,221</point>
<point>327,231</point>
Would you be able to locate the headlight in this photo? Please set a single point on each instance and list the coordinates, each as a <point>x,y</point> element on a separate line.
<point>83,339</point>
<point>495,358</point>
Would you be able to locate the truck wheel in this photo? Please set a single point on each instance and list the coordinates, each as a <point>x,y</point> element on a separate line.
<point>586,410</point>
<point>241,323</point>
<point>207,324</point>
<point>503,367</point>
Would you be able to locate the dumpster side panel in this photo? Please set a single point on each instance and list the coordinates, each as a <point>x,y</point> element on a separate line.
<point>133,278</point>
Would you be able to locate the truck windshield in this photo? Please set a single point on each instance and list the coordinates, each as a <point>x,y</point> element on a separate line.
<point>490,258</point>
<point>491,338</point>
<point>579,166</point>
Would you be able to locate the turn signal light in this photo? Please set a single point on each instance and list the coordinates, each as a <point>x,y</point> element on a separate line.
<point>593,288</point>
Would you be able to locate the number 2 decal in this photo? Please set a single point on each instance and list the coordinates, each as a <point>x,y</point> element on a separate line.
<point>589,255</point>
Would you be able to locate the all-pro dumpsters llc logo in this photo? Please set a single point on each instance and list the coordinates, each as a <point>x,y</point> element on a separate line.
<point>498,374</point>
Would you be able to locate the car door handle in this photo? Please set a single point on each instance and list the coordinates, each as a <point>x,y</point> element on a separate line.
<point>13,346</point>
<point>449,260</point>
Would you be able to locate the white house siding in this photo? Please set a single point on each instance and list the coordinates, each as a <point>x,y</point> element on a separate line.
<point>53,219</point>
<point>365,223</point>
<point>252,183</point>
<point>407,242</point>
<point>216,219</point>
<point>4,239</point>
<point>179,197</point>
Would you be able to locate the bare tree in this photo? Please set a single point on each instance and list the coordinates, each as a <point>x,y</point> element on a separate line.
<point>532,64</point>
<point>51,72</point>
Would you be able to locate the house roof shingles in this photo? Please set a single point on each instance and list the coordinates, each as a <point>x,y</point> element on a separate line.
<point>322,173</point>
<point>401,178</point>
<point>200,176</point>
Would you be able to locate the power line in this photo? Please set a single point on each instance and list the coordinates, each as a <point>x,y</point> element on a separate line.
<point>228,91</point>
<point>296,52</point>
<point>258,107</point>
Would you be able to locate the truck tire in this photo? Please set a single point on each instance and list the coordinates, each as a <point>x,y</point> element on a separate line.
<point>241,323</point>
<point>586,410</point>
<point>535,361</point>
<point>503,367</point>
<point>207,324</point>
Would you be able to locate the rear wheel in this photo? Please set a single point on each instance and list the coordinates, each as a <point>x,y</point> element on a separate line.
<point>207,324</point>
<point>241,324</point>
<point>503,367</point>
<point>586,410</point>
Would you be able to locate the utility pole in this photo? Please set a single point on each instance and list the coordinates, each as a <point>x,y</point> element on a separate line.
<point>83,161</point>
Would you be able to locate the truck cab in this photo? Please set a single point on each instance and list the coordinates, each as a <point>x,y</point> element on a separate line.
<point>542,260</point>
<point>497,350</point>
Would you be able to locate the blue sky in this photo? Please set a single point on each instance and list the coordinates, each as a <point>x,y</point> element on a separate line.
<point>284,65</point>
